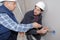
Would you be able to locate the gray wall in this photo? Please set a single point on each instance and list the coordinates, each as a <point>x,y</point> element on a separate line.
<point>51,17</point>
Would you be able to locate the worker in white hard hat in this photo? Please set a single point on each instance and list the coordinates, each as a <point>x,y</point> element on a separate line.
<point>8,22</point>
<point>35,15</point>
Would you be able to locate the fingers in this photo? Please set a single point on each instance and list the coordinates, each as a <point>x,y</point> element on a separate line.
<point>36,25</point>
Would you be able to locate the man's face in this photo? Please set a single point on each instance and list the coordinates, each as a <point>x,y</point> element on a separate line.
<point>11,5</point>
<point>37,10</point>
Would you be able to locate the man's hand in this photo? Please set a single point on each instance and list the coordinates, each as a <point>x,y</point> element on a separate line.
<point>36,25</point>
<point>22,34</point>
<point>43,30</point>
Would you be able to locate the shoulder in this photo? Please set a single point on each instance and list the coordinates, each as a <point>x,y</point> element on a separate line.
<point>29,13</point>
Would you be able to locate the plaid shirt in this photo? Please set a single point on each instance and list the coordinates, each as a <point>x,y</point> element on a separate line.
<point>7,22</point>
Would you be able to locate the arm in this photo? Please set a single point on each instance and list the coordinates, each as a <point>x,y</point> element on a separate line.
<point>7,22</point>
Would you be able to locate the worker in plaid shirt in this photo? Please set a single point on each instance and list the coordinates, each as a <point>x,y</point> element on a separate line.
<point>9,27</point>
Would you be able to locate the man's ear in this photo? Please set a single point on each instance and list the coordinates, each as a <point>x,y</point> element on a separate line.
<point>6,3</point>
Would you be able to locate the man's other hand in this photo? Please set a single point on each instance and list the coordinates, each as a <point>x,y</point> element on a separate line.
<point>44,30</point>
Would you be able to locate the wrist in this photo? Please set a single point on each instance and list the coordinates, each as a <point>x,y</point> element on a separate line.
<point>38,31</point>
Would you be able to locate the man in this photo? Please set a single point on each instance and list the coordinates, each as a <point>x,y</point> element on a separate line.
<point>8,23</point>
<point>35,16</point>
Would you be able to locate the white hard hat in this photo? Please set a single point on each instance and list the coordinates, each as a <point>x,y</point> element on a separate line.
<point>10,0</point>
<point>41,5</point>
<point>6,0</point>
